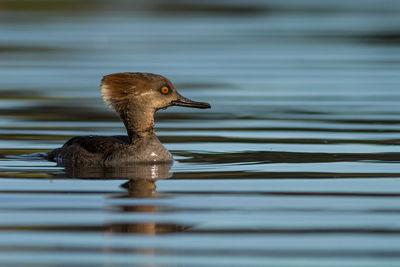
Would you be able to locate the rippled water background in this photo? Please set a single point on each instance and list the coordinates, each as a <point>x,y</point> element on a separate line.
<point>296,164</point>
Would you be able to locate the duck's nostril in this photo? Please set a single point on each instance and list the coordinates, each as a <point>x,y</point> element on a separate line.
<point>185,102</point>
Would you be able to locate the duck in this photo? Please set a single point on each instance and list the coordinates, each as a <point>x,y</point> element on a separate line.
<point>135,97</point>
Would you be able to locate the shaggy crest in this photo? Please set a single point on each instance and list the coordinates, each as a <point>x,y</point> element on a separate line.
<point>117,89</point>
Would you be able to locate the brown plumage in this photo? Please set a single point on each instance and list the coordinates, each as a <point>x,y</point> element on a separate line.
<point>135,97</point>
<point>119,88</point>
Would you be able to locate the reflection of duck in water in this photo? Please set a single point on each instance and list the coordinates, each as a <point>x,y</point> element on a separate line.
<point>135,97</point>
<point>141,185</point>
<point>133,171</point>
<point>141,188</point>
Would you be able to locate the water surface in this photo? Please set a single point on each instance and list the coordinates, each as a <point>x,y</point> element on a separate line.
<point>296,164</point>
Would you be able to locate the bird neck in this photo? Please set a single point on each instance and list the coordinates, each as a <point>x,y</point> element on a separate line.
<point>139,123</point>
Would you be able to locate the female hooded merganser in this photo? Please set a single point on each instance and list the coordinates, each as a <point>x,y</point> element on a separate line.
<point>135,97</point>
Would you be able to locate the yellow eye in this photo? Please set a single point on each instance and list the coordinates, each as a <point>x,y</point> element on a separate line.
<point>164,90</point>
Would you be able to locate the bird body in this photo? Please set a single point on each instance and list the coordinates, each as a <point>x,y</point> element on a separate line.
<point>135,97</point>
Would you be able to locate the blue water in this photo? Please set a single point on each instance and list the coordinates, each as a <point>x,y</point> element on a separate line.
<point>296,164</point>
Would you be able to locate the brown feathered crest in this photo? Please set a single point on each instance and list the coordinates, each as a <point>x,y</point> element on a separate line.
<point>118,89</point>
